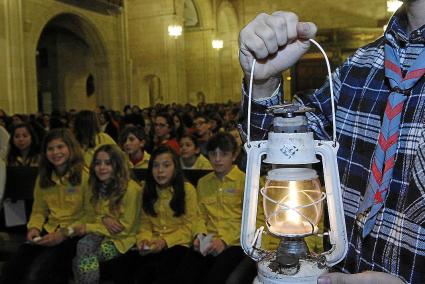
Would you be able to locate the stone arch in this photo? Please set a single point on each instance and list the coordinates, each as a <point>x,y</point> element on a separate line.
<point>83,28</point>
<point>205,13</point>
<point>228,31</point>
<point>200,97</point>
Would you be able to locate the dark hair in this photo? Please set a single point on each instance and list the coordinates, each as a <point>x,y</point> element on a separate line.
<point>181,129</point>
<point>191,137</point>
<point>201,115</point>
<point>14,152</point>
<point>150,194</point>
<point>120,178</point>
<point>169,119</point>
<point>219,121</point>
<point>223,141</point>
<point>136,131</point>
<point>134,119</point>
<point>86,127</point>
<point>75,162</point>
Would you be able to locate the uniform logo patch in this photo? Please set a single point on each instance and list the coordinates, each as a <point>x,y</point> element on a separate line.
<point>71,190</point>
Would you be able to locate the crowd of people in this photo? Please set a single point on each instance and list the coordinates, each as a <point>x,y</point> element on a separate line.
<point>90,215</point>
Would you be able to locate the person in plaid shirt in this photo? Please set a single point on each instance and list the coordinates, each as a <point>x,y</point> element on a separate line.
<point>394,250</point>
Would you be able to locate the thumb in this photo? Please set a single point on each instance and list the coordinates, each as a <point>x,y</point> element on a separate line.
<point>365,277</point>
<point>338,278</point>
<point>306,30</point>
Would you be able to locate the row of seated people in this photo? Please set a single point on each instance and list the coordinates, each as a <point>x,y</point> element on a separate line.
<point>150,232</point>
<point>218,199</point>
<point>23,144</point>
<point>24,149</point>
<point>162,129</point>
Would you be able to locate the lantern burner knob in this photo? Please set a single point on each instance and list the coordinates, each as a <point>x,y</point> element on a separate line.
<point>288,110</point>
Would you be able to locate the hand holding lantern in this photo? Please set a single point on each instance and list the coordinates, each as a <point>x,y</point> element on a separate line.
<point>292,198</point>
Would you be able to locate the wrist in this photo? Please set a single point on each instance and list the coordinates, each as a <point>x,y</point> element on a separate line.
<point>34,229</point>
<point>262,88</point>
<point>67,232</point>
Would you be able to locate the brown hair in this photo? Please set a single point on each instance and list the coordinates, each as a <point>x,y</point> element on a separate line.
<point>75,163</point>
<point>120,178</point>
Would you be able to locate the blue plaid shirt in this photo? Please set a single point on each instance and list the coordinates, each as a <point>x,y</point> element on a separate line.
<point>396,244</point>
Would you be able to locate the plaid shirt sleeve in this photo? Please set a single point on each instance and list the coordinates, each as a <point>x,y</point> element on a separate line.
<point>320,121</point>
<point>260,119</point>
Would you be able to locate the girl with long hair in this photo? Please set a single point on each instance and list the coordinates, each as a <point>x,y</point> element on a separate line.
<point>169,212</point>
<point>87,131</point>
<point>23,146</point>
<point>58,206</point>
<point>112,214</point>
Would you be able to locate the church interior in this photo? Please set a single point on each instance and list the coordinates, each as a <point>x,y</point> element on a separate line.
<point>139,59</point>
<point>65,54</point>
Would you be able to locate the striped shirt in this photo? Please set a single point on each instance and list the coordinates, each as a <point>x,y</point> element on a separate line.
<point>396,244</point>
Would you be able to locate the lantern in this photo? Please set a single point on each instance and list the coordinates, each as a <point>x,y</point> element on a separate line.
<point>293,200</point>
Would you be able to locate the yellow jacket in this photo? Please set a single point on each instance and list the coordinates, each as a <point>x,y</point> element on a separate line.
<point>101,139</point>
<point>201,163</point>
<point>29,162</point>
<point>128,217</point>
<point>58,206</point>
<point>174,230</point>
<point>220,205</point>
<point>142,164</point>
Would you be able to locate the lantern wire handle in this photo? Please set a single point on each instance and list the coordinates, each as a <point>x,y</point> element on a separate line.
<point>331,87</point>
<point>251,77</point>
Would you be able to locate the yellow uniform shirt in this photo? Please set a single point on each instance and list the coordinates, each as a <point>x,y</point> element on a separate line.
<point>128,217</point>
<point>101,139</point>
<point>143,164</point>
<point>201,163</point>
<point>28,162</point>
<point>220,205</point>
<point>58,206</point>
<point>174,230</point>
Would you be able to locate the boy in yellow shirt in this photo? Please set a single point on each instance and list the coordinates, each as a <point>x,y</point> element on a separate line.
<point>220,196</point>
<point>132,142</point>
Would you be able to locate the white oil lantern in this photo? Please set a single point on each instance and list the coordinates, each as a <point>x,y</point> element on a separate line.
<point>292,200</point>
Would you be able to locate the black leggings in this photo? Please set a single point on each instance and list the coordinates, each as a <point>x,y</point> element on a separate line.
<point>159,268</point>
<point>195,268</point>
<point>39,264</point>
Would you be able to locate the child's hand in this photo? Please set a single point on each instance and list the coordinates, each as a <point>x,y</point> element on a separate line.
<point>217,247</point>
<point>80,230</point>
<point>113,225</point>
<point>142,245</point>
<point>196,244</point>
<point>52,239</point>
<point>33,233</point>
<point>158,245</point>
